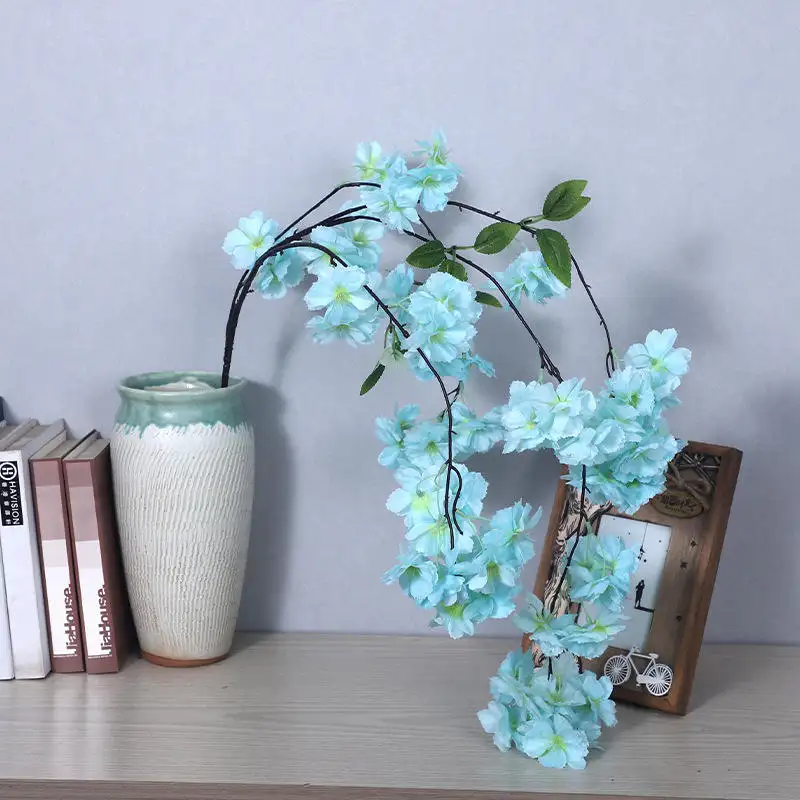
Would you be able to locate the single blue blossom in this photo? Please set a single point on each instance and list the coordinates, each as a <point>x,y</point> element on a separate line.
<point>435,150</point>
<point>597,692</point>
<point>339,290</point>
<point>544,627</point>
<point>370,163</point>
<point>392,433</point>
<point>501,721</point>
<point>601,569</point>
<point>513,679</point>
<point>553,743</point>
<point>278,274</point>
<point>591,638</point>
<point>528,274</point>
<point>433,183</point>
<point>416,574</point>
<point>394,204</point>
<point>666,363</point>
<point>254,236</point>
<point>345,324</point>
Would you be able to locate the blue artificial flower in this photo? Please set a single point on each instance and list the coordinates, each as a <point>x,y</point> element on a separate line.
<point>566,407</point>
<point>442,312</point>
<point>416,574</point>
<point>460,618</point>
<point>592,445</point>
<point>665,363</point>
<point>252,238</point>
<point>392,433</point>
<point>551,694</point>
<point>647,459</point>
<point>446,590</point>
<point>444,298</point>
<point>513,679</point>
<point>279,273</point>
<point>524,421</point>
<point>339,290</point>
<point>553,742</point>
<point>370,162</point>
<point>394,203</point>
<point>457,368</point>
<point>473,434</point>
<point>591,638</point>
<point>433,183</point>
<point>544,627</point>
<point>426,444</point>
<point>501,721</point>
<point>333,239</point>
<point>435,150</point>
<point>601,569</point>
<point>345,324</point>
<point>362,236</point>
<point>528,274</point>
<point>633,387</point>
<point>604,486</point>
<point>420,499</point>
<point>597,692</point>
<point>507,531</point>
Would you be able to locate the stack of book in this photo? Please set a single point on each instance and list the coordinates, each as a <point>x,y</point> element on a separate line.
<point>63,603</point>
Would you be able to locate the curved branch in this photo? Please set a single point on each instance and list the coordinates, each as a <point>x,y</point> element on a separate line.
<point>610,362</point>
<point>348,185</point>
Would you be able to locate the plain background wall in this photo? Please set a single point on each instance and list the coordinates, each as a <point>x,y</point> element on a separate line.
<point>133,136</point>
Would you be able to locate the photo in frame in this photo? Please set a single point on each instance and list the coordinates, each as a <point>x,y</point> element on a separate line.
<point>679,536</point>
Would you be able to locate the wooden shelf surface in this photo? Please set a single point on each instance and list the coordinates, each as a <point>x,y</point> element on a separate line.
<point>361,717</point>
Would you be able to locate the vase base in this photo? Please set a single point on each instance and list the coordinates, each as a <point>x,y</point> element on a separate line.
<point>162,661</point>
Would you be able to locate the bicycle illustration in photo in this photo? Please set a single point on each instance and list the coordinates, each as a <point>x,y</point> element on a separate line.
<point>655,677</point>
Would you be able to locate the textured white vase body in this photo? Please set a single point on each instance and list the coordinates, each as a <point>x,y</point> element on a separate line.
<point>184,497</point>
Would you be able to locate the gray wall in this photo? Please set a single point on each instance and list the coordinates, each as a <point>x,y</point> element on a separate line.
<point>134,135</point>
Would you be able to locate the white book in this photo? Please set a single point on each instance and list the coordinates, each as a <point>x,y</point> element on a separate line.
<point>27,616</point>
<point>7,436</point>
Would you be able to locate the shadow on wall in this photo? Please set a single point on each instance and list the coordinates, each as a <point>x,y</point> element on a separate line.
<point>267,562</point>
<point>263,597</point>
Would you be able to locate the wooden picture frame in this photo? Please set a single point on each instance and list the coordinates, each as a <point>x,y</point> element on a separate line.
<point>692,515</point>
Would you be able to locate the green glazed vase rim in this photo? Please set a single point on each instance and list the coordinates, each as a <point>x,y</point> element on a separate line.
<point>134,387</point>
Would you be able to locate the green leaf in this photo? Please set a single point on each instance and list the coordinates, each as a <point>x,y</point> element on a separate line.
<point>487,299</point>
<point>454,268</point>
<point>496,237</point>
<point>427,256</point>
<point>565,201</point>
<point>556,254</point>
<point>372,378</point>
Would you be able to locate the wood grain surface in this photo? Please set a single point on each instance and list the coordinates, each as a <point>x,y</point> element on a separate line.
<point>361,717</point>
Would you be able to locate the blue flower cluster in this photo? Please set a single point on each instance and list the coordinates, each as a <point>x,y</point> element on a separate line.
<point>619,435</point>
<point>552,714</point>
<point>479,577</point>
<point>402,188</point>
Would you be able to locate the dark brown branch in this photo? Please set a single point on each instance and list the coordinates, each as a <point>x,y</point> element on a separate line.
<point>610,363</point>
<point>578,529</point>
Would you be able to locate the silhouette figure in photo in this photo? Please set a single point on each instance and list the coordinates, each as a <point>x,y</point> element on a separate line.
<point>638,598</point>
<point>639,593</point>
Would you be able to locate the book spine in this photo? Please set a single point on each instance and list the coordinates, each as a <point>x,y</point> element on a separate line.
<point>58,572</point>
<point>100,652</point>
<point>6,657</point>
<point>27,618</point>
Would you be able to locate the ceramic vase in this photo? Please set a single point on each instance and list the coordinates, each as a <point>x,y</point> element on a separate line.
<point>183,462</point>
